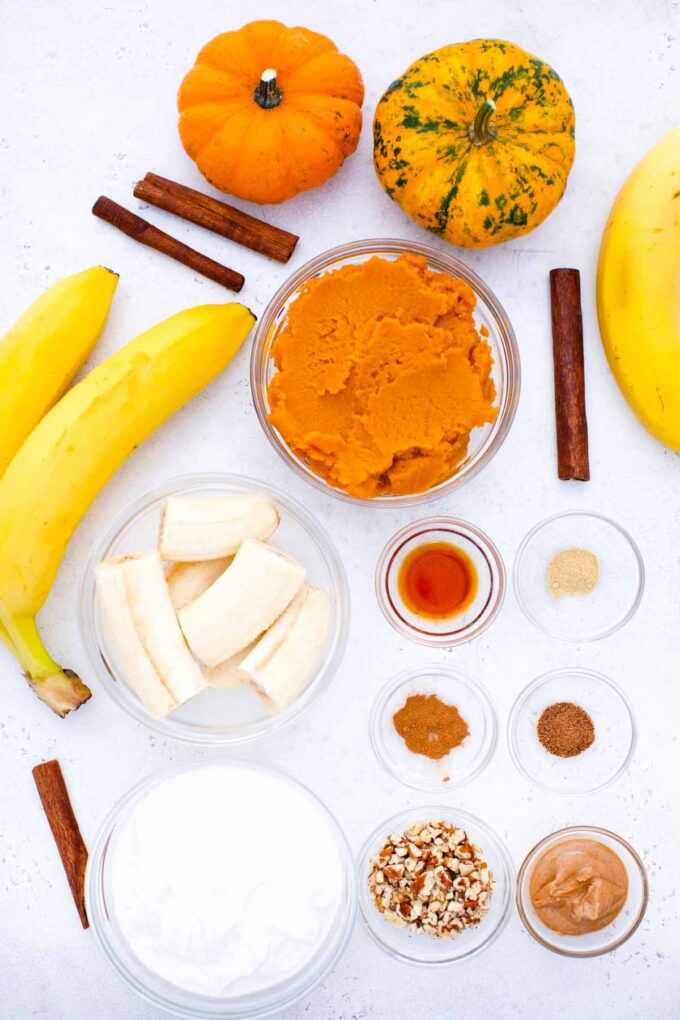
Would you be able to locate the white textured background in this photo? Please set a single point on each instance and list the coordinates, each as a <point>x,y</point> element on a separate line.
<point>88,92</point>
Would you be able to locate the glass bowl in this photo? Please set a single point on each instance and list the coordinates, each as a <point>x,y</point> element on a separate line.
<point>425,950</point>
<point>464,762</point>
<point>484,442</point>
<point>472,621</point>
<point>613,719</point>
<point>612,602</point>
<point>597,942</point>
<point>157,990</point>
<point>215,716</point>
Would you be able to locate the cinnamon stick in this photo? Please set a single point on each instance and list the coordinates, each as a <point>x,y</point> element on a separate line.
<point>57,806</point>
<point>217,216</point>
<point>570,387</point>
<point>134,226</point>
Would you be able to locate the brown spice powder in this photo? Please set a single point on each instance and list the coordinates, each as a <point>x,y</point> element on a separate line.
<point>565,729</point>
<point>429,726</point>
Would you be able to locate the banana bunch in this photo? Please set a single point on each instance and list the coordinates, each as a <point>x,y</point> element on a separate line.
<point>238,604</point>
<point>77,446</point>
<point>638,290</point>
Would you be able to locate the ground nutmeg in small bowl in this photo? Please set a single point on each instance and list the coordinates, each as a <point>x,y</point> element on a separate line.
<point>565,729</point>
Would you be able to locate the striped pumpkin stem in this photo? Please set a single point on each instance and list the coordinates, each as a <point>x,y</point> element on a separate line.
<point>481,130</point>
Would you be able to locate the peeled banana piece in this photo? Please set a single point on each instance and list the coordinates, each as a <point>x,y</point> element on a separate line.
<point>208,529</point>
<point>186,581</point>
<point>135,601</point>
<point>282,663</point>
<point>242,603</point>
<point>229,675</point>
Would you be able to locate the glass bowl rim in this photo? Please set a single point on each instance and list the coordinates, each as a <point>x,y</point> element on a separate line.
<point>554,632</point>
<point>507,341</point>
<point>446,812</point>
<point>551,674</point>
<point>432,639</point>
<point>412,672</point>
<point>557,836</point>
<point>99,920</point>
<point>320,537</point>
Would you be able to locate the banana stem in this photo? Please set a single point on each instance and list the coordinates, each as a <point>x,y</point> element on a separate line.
<point>61,689</point>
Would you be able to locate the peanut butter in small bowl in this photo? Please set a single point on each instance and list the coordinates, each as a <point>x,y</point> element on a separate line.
<point>577,886</point>
<point>582,891</point>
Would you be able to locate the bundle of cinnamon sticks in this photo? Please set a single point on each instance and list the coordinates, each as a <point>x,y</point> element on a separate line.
<point>204,211</point>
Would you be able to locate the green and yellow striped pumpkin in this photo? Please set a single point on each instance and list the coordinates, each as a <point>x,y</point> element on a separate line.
<point>475,142</point>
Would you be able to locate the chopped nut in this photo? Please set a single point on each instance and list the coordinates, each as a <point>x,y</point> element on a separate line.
<point>416,909</point>
<point>431,880</point>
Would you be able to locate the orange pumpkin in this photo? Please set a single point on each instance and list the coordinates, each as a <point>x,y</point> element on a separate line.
<point>268,111</point>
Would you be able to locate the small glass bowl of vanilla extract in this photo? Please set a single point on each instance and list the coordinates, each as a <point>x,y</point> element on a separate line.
<point>440,581</point>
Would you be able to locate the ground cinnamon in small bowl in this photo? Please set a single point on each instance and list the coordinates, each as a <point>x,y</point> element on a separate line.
<point>429,726</point>
<point>565,729</point>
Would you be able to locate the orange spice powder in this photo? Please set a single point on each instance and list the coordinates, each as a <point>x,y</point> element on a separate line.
<point>429,726</point>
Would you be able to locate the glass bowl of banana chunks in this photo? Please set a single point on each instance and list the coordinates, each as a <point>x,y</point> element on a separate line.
<point>214,609</point>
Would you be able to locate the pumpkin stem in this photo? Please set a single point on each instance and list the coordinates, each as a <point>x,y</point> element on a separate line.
<point>268,94</point>
<point>482,130</point>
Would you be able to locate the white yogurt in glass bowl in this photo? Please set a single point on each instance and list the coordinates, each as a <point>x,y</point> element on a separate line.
<point>221,888</point>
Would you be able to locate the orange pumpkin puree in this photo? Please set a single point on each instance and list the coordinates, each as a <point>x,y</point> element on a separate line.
<point>381,377</point>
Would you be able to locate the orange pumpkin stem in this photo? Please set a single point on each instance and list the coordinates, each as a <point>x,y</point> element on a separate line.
<point>481,130</point>
<point>268,94</point>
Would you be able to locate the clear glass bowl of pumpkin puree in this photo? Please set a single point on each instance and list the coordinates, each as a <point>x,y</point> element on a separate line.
<point>492,325</point>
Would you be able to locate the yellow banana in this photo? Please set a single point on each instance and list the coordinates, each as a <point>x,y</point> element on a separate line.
<point>44,349</point>
<point>638,290</point>
<point>73,452</point>
<point>42,352</point>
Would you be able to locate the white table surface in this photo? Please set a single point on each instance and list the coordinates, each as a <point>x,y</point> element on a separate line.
<point>88,105</point>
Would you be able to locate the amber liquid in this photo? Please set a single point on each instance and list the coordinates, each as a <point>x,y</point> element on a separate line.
<point>437,580</point>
